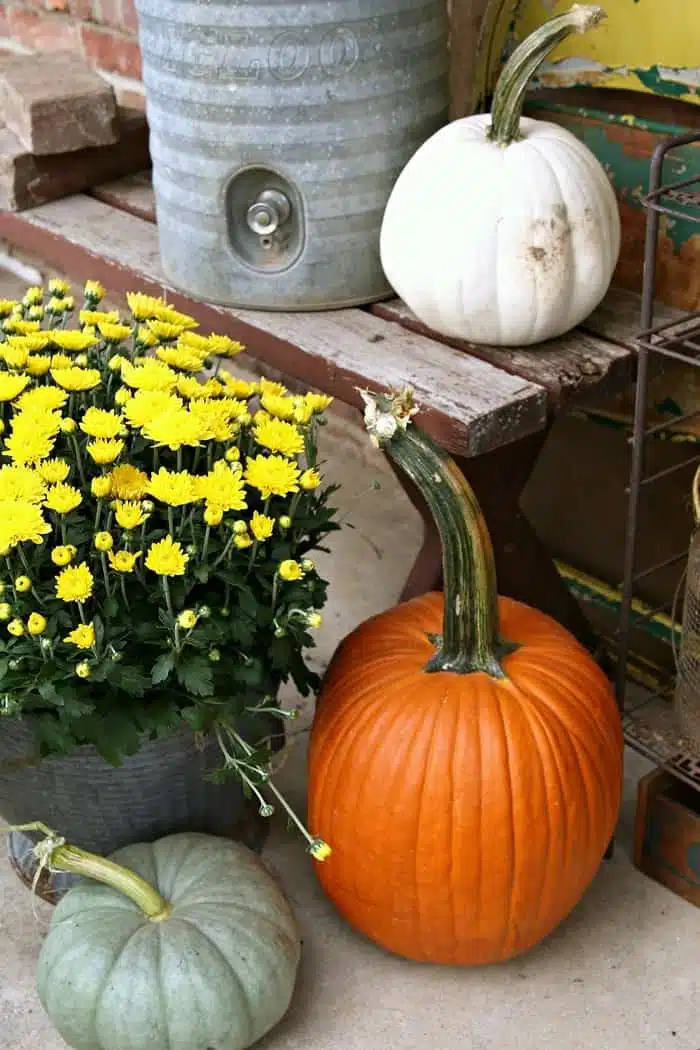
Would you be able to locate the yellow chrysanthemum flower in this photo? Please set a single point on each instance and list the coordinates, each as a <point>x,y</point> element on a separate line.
<point>214,420</point>
<point>21,522</point>
<point>32,343</point>
<point>303,413</point>
<point>54,470</point>
<point>238,387</point>
<point>104,452</point>
<point>290,570</point>
<point>114,333</point>
<point>222,346</point>
<point>63,555</point>
<point>35,313</point>
<point>38,365</point>
<point>148,374</point>
<point>115,363</point>
<point>101,423</point>
<point>144,306</point>
<point>165,329</point>
<point>194,341</point>
<point>75,379</point>
<point>16,628</point>
<point>194,389</point>
<point>72,340</point>
<point>310,480</point>
<point>36,420</point>
<point>75,583</point>
<point>101,487</point>
<point>122,395</point>
<point>25,446</point>
<point>223,488</point>
<point>94,291</point>
<point>103,541</point>
<point>128,482</point>
<point>42,399</point>
<point>11,386</point>
<point>276,405</point>
<point>129,514</point>
<point>169,315</point>
<point>279,436</point>
<point>60,305</point>
<point>21,483</point>
<point>175,429</point>
<point>62,361</point>
<point>82,636</point>
<point>93,317</point>
<point>268,386</point>
<point>145,338</point>
<point>147,404</point>
<point>7,306</point>
<point>187,619</point>
<point>124,561</point>
<point>261,526</point>
<point>63,498</point>
<point>20,327</point>
<point>167,558</point>
<point>242,540</point>
<point>173,487</point>
<point>178,357</point>
<point>272,475</point>
<point>33,296</point>
<point>36,624</point>
<point>213,516</point>
<point>58,287</point>
<point>15,356</point>
<point>318,402</point>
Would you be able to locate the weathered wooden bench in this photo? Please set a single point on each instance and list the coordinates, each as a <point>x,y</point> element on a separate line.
<point>492,408</point>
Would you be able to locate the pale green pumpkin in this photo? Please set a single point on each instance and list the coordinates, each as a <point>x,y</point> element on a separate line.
<point>202,955</point>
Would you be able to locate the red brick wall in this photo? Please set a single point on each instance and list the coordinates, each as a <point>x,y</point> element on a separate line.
<point>103,31</point>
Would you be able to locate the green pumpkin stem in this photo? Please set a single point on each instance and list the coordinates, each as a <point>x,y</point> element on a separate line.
<point>509,95</point>
<point>471,640</point>
<point>53,853</point>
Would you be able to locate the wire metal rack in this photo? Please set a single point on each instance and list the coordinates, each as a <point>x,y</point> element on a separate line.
<point>648,718</point>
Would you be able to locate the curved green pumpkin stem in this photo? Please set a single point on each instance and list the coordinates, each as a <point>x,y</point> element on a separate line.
<point>53,853</point>
<point>509,94</point>
<point>471,640</point>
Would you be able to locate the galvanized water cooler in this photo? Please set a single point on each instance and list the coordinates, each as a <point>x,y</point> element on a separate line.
<point>277,132</point>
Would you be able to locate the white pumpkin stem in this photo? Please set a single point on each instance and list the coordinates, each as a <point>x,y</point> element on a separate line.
<point>54,854</point>
<point>509,94</point>
<point>471,640</point>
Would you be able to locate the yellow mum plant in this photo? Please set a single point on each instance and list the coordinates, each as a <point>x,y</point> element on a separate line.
<point>157,517</point>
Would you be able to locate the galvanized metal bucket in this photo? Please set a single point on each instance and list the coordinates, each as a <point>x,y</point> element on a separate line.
<point>277,133</point>
<point>158,791</point>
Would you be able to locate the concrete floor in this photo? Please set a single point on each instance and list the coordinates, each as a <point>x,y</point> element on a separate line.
<point>623,972</point>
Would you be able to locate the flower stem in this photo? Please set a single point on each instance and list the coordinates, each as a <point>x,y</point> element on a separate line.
<point>79,461</point>
<point>166,592</point>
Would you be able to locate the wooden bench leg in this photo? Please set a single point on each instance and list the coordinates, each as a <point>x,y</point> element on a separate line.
<point>525,569</point>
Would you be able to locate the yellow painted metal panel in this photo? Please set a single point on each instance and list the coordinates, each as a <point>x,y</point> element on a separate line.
<point>644,45</point>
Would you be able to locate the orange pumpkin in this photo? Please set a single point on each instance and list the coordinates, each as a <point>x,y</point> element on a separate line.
<point>466,754</point>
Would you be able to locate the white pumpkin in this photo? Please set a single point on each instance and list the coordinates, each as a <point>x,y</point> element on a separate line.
<point>502,229</point>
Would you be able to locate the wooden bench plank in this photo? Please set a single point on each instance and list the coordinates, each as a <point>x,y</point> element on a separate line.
<point>468,405</point>
<point>569,368</point>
